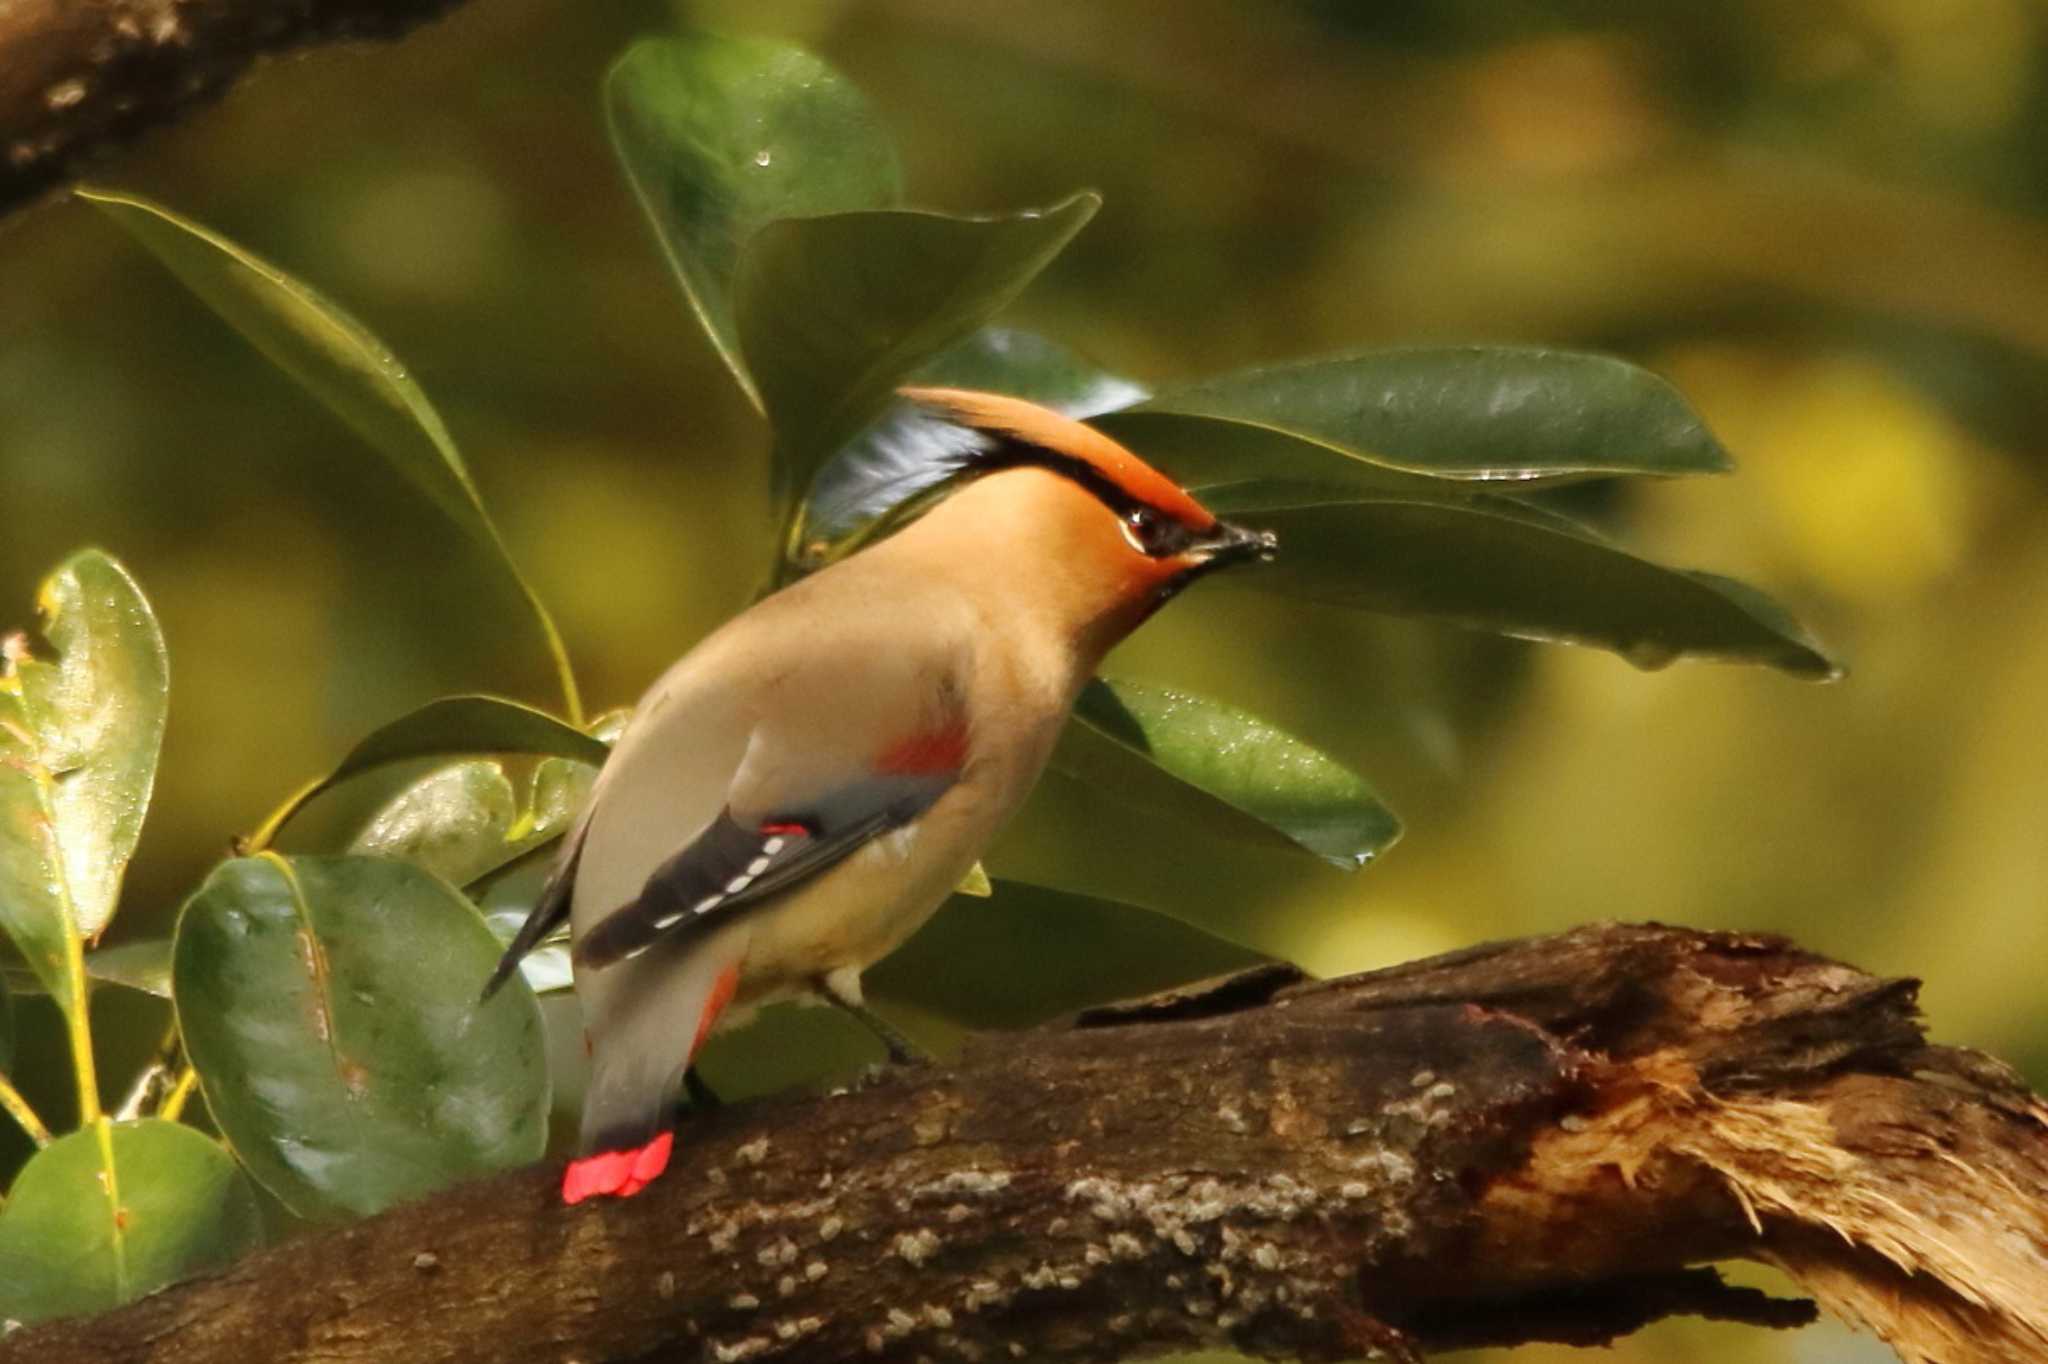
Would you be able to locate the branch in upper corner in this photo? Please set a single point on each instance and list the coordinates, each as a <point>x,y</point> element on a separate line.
<point>76,79</point>
<point>1527,1141</point>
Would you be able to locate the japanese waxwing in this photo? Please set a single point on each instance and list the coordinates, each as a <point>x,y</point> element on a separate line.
<point>799,793</point>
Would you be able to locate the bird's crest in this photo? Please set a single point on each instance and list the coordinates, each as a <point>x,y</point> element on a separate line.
<point>1043,436</point>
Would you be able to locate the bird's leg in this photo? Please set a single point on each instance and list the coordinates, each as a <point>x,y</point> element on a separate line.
<point>842,987</point>
<point>703,1098</point>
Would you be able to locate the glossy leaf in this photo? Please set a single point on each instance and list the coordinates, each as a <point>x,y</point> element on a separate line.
<point>1478,413</point>
<point>115,1210</point>
<point>1498,565</point>
<point>79,735</point>
<point>910,448</point>
<point>833,312</point>
<point>1221,769</point>
<point>463,823</point>
<point>338,361</point>
<point>330,1007</point>
<point>1206,453</point>
<point>448,727</point>
<point>143,965</point>
<point>719,135</point>
<point>985,963</point>
<point>455,822</point>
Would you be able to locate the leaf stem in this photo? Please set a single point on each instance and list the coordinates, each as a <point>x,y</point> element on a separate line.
<point>174,1102</point>
<point>18,1108</point>
<point>77,1021</point>
<point>572,698</point>
<point>251,844</point>
<point>163,1062</point>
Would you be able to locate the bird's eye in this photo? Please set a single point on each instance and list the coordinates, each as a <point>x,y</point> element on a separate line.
<point>1153,533</point>
<point>1142,528</point>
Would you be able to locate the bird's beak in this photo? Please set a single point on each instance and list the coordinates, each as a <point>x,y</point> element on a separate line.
<point>1228,544</point>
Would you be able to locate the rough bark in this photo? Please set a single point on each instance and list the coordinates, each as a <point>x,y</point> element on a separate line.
<point>1531,1140</point>
<point>79,76</point>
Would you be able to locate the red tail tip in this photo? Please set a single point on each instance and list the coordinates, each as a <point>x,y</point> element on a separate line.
<point>620,1174</point>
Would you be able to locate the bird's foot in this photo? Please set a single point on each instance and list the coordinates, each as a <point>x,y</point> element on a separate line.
<point>621,1174</point>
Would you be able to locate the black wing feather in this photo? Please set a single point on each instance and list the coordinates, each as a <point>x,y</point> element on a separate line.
<point>549,912</point>
<point>732,865</point>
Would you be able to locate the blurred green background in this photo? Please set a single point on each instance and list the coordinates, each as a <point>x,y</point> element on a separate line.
<point>1824,221</point>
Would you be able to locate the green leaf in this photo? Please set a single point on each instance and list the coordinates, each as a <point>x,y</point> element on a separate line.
<point>1498,565</point>
<point>463,823</point>
<point>79,735</point>
<point>976,883</point>
<point>455,822</point>
<point>1221,769</point>
<point>833,312</point>
<point>450,726</point>
<point>339,362</point>
<point>1470,412</point>
<point>986,963</point>
<point>1207,453</point>
<point>911,449</point>
<point>721,135</point>
<point>143,965</point>
<point>330,1007</point>
<point>116,1210</point>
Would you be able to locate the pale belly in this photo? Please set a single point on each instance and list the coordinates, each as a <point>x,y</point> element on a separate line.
<point>863,909</point>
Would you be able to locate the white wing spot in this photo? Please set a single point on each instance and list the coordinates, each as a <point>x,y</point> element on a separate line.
<point>737,884</point>
<point>773,846</point>
<point>707,904</point>
<point>758,865</point>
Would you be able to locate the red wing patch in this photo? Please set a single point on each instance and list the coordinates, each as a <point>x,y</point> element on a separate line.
<point>943,750</point>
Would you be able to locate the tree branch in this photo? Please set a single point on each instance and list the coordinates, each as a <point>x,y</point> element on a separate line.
<point>79,76</point>
<point>1532,1140</point>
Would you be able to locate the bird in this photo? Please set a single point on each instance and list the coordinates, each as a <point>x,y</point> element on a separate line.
<point>801,791</point>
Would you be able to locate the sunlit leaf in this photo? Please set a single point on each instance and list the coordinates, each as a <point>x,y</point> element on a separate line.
<point>338,361</point>
<point>719,135</point>
<point>911,448</point>
<point>116,1210</point>
<point>1032,953</point>
<point>330,1006</point>
<point>1470,412</point>
<point>80,727</point>
<point>463,823</point>
<point>832,313</point>
<point>454,821</point>
<point>976,883</point>
<point>1221,769</point>
<point>449,727</point>
<point>1493,564</point>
